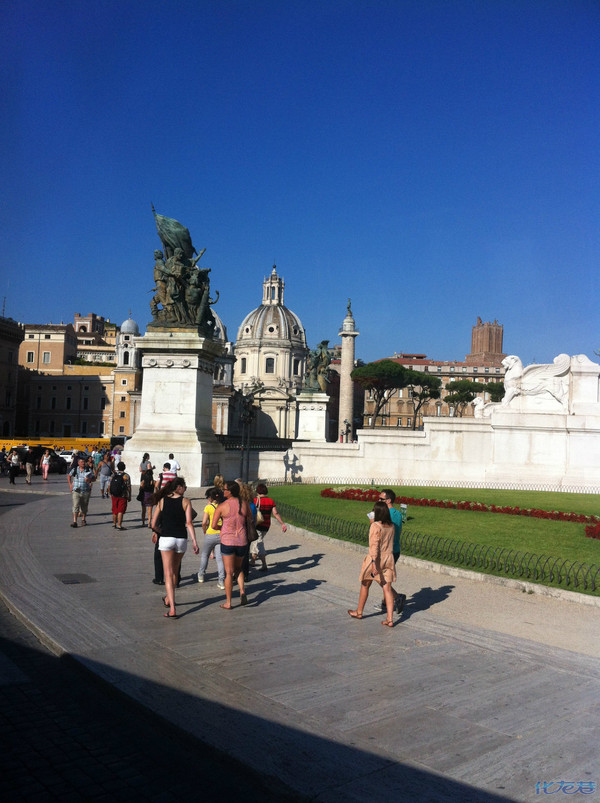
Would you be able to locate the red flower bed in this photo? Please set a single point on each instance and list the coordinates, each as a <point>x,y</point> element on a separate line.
<point>592,531</point>
<point>372,495</point>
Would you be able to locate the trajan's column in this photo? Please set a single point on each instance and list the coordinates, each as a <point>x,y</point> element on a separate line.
<point>348,332</point>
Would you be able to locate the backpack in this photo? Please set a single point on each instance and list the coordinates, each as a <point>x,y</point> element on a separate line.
<point>117,485</point>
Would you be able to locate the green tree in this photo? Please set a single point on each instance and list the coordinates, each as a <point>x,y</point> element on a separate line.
<point>462,392</point>
<point>424,387</point>
<point>383,379</point>
<point>496,390</point>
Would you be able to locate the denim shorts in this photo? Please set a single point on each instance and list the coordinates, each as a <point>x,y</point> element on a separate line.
<point>238,551</point>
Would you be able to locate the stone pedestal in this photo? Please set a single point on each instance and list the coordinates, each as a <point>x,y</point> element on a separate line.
<point>176,406</point>
<point>312,415</point>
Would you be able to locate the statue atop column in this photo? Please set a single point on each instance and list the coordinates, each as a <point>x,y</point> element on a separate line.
<point>181,289</point>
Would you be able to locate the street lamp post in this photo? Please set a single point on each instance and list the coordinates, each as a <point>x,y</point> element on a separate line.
<point>247,415</point>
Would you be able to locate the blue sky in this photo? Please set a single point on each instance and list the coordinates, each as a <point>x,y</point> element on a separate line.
<point>434,161</point>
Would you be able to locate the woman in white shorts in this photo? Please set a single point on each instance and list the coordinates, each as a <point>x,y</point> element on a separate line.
<point>172,519</point>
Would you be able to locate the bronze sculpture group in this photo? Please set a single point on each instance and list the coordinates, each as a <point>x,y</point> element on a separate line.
<point>181,289</point>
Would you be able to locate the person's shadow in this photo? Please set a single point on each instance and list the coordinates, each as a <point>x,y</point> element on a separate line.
<point>269,589</point>
<point>424,599</point>
<point>292,467</point>
<point>296,564</point>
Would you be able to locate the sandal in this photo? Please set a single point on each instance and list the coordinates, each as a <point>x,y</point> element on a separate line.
<point>355,614</point>
<point>165,603</point>
<point>388,623</point>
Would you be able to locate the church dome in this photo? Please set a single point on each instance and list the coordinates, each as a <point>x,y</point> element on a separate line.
<point>220,330</point>
<point>130,327</point>
<point>272,322</point>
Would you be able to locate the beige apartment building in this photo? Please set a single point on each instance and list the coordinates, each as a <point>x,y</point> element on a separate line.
<point>11,335</point>
<point>483,364</point>
<point>60,398</point>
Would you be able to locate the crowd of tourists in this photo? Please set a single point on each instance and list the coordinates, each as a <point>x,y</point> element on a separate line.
<point>235,521</point>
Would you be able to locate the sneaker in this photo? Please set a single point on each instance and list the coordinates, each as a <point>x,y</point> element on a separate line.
<point>221,585</point>
<point>200,577</point>
<point>399,603</point>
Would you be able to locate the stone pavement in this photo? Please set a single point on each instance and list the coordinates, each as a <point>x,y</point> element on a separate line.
<point>479,693</point>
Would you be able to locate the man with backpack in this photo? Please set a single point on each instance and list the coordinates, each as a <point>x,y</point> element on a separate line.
<point>120,491</point>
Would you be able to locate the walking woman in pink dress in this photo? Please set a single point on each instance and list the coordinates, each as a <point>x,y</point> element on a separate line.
<point>379,563</point>
<point>234,512</point>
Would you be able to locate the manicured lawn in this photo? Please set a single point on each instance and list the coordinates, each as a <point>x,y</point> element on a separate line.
<point>559,539</point>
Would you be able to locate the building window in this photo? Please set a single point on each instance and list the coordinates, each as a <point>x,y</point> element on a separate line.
<point>103,404</point>
<point>121,429</point>
<point>487,370</point>
<point>46,357</point>
<point>83,427</point>
<point>38,402</point>
<point>86,403</point>
<point>123,381</point>
<point>30,337</point>
<point>53,403</point>
<point>52,427</point>
<point>270,365</point>
<point>399,422</point>
<point>439,369</point>
<point>30,356</point>
<point>37,427</point>
<point>474,370</point>
<point>10,356</point>
<point>122,414</point>
<point>464,369</point>
<point>243,365</point>
<point>46,337</point>
<point>122,398</point>
<point>409,422</point>
<point>296,366</point>
<point>125,358</point>
<point>68,403</point>
<point>102,427</point>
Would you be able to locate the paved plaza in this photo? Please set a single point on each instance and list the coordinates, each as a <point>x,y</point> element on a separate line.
<point>481,692</point>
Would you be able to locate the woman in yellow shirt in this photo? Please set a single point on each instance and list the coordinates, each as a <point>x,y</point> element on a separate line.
<point>211,538</point>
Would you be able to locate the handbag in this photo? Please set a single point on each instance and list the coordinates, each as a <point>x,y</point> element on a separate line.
<point>141,494</point>
<point>259,516</point>
<point>157,526</point>
<point>251,531</point>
